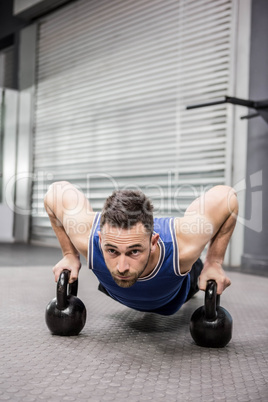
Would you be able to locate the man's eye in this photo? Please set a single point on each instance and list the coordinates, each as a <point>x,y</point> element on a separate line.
<point>135,252</point>
<point>111,251</point>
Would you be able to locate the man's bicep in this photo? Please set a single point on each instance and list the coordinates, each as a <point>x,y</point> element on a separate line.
<point>72,210</point>
<point>76,212</point>
<point>193,233</point>
<point>65,201</point>
<point>203,218</point>
<point>213,207</point>
<point>78,218</point>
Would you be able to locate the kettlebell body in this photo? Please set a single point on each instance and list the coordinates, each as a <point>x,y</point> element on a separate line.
<point>211,325</point>
<point>66,314</point>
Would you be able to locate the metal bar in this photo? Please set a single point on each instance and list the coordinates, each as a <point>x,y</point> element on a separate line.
<point>208,103</point>
<point>261,104</point>
<point>241,102</point>
<point>249,116</point>
<point>225,99</point>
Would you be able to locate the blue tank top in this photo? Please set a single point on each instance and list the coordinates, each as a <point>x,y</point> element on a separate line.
<point>163,291</point>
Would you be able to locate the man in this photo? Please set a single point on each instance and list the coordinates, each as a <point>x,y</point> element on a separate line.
<point>149,264</point>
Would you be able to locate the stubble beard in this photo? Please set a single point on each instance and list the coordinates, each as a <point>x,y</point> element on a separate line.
<point>128,283</point>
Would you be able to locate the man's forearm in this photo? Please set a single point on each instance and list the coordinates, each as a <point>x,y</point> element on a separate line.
<point>66,245</point>
<point>64,240</point>
<point>218,244</point>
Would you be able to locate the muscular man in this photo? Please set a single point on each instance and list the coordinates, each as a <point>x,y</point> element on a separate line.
<point>149,264</point>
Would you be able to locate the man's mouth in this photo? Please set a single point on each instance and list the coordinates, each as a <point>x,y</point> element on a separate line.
<point>123,278</point>
<point>124,281</point>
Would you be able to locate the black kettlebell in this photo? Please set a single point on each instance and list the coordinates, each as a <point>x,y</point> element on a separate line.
<point>211,325</point>
<point>66,314</point>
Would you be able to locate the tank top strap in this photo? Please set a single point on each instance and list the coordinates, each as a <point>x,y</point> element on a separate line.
<point>94,230</point>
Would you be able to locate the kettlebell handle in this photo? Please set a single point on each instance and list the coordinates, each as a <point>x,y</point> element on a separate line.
<point>62,284</point>
<point>212,300</point>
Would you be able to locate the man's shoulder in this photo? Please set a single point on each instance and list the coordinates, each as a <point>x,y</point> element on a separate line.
<point>164,226</point>
<point>95,223</point>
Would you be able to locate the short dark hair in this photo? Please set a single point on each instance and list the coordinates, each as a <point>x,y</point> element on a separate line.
<point>125,208</point>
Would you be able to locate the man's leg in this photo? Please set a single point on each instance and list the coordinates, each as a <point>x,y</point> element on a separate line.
<point>194,275</point>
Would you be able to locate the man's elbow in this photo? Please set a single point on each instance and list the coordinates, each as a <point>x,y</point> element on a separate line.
<point>232,201</point>
<point>56,187</point>
<point>227,198</point>
<point>53,194</point>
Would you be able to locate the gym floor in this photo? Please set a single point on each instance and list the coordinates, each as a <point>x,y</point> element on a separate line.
<point>122,354</point>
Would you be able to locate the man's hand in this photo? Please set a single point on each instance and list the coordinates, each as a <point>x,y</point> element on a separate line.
<point>214,271</point>
<point>70,262</point>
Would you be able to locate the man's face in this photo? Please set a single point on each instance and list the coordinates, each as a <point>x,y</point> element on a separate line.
<point>127,252</point>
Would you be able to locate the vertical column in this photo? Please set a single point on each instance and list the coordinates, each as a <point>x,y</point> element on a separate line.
<point>255,257</point>
<point>241,28</point>
<point>27,65</point>
<point>9,132</point>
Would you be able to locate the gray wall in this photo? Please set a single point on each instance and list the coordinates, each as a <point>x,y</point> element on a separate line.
<point>9,34</point>
<point>9,25</point>
<point>255,258</point>
<point>29,9</point>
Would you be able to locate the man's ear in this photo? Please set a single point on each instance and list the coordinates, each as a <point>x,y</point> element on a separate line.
<point>99,233</point>
<point>154,241</point>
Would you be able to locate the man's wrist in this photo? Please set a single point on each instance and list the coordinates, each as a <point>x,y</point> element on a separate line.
<point>76,255</point>
<point>213,262</point>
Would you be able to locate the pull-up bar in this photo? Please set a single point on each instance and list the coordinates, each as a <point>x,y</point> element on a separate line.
<point>261,107</point>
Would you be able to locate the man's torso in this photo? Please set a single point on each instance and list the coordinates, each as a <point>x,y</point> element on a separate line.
<point>164,284</point>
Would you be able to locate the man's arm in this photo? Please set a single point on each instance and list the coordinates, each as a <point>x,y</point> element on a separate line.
<point>71,218</point>
<point>209,220</point>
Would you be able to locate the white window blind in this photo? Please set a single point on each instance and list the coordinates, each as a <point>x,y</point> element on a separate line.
<point>113,81</point>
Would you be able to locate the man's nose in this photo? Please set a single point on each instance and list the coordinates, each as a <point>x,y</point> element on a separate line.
<point>122,265</point>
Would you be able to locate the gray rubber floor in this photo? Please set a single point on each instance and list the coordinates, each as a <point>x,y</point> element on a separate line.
<point>121,354</point>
